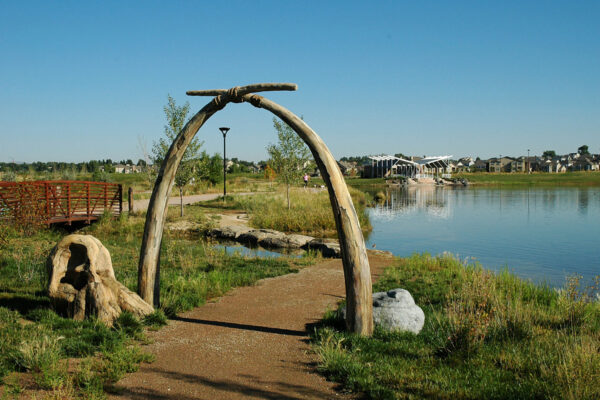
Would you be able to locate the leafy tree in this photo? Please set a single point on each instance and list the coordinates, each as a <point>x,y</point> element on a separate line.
<point>176,119</point>
<point>549,154</point>
<point>269,174</point>
<point>289,156</point>
<point>109,168</point>
<point>583,150</point>
<point>184,175</point>
<point>210,168</point>
<point>9,176</point>
<point>360,160</point>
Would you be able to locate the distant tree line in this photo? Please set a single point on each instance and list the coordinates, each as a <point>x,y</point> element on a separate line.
<point>360,160</point>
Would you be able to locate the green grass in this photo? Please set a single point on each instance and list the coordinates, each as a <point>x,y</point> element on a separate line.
<point>35,340</point>
<point>542,179</point>
<point>486,336</point>
<point>364,182</point>
<point>310,211</point>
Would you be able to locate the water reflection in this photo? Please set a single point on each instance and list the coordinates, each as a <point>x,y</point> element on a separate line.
<point>584,200</point>
<point>415,199</point>
<point>539,233</point>
<point>237,248</point>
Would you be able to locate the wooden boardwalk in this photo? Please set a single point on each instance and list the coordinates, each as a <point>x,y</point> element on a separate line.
<point>51,202</point>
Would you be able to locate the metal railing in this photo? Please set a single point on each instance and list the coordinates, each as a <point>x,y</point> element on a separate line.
<point>50,202</point>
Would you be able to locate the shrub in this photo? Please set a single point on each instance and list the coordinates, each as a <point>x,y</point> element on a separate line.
<point>129,324</point>
<point>39,349</point>
<point>156,319</point>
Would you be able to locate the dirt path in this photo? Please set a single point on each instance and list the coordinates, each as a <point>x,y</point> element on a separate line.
<point>142,204</point>
<point>249,344</point>
<point>139,205</point>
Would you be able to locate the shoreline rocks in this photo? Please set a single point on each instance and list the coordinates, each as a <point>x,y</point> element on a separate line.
<point>328,247</point>
<point>271,239</point>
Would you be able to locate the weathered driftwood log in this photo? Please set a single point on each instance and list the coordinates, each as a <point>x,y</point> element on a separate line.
<point>82,282</point>
<point>354,256</point>
<point>357,272</point>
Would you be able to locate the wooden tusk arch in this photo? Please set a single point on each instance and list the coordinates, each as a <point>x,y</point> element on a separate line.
<point>357,275</point>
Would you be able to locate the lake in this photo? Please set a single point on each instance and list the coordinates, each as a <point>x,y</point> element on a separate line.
<point>539,233</point>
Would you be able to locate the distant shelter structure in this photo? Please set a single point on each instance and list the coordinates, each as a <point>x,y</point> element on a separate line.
<point>427,167</point>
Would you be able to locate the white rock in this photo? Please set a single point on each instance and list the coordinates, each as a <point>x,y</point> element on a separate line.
<point>396,310</point>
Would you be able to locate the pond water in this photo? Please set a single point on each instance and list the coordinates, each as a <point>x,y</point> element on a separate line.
<point>244,251</point>
<point>538,233</point>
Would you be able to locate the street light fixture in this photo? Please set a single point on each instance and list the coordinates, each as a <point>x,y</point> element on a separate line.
<point>224,131</point>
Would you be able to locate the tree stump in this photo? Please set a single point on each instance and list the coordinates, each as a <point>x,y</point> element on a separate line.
<point>82,282</point>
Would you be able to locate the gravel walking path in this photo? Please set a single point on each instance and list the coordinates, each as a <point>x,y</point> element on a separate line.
<point>250,344</point>
<point>139,205</point>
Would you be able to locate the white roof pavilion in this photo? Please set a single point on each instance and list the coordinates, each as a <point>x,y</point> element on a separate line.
<point>386,164</point>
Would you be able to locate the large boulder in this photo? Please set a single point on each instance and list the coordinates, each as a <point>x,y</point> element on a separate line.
<point>254,236</point>
<point>396,310</point>
<point>327,247</point>
<point>273,239</point>
<point>381,253</point>
<point>82,282</point>
<point>281,240</point>
<point>298,241</point>
<point>231,232</point>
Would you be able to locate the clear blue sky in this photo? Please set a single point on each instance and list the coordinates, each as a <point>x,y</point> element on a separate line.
<point>84,80</point>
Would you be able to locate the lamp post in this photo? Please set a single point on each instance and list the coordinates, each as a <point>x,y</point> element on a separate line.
<point>224,131</point>
<point>528,163</point>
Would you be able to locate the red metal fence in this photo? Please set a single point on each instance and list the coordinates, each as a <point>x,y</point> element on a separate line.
<point>52,202</point>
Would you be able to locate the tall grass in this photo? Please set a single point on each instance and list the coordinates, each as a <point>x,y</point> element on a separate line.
<point>486,335</point>
<point>310,211</point>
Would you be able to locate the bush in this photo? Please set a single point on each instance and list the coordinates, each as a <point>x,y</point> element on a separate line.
<point>156,319</point>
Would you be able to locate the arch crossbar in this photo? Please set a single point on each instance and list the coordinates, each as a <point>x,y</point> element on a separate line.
<point>357,275</point>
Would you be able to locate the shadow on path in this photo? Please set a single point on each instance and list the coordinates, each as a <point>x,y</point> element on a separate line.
<point>281,390</point>
<point>233,325</point>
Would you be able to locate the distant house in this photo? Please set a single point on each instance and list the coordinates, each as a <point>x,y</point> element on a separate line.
<point>518,165</point>
<point>480,165</point>
<point>127,169</point>
<point>463,165</point>
<point>553,166</point>
<point>500,164</point>
<point>532,164</point>
<point>255,169</point>
<point>584,163</point>
<point>348,167</point>
<point>452,165</point>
